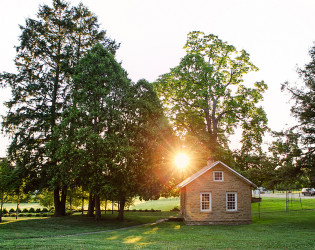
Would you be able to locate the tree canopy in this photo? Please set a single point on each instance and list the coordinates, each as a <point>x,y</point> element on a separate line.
<point>303,95</point>
<point>50,47</point>
<point>109,135</point>
<point>205,96</point>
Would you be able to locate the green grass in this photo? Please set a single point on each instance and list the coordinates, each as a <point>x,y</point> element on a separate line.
<point>275,229</point>
<point>160,204</point>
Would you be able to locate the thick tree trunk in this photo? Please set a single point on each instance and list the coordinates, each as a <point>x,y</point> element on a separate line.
<point>98,215</point>
<point>63,201</point>
<point>57,203</point>
<point>60,202</point>
<point>122,203</point>
<point>90,212</point>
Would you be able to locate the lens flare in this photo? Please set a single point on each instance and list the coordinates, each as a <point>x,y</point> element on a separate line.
<point>181,160</point>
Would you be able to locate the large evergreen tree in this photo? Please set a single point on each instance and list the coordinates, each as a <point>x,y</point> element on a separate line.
<point>50,47</point>
<point>111,132</point>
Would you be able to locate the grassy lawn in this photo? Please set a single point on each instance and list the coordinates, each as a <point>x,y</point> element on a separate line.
<point>275,230</point>
<point>160,204</point>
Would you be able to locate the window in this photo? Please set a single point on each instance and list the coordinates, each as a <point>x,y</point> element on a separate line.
<point>231,201</point>
<point>218,175</point>
<point>205,202</point>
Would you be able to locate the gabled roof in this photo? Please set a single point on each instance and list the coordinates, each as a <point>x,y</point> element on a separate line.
<point>208,167</point>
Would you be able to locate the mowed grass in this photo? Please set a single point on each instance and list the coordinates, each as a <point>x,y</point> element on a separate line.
<point>160,204</point>
<point>275,229</point>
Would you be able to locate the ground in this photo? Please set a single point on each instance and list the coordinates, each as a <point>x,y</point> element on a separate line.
<point>273,229</point>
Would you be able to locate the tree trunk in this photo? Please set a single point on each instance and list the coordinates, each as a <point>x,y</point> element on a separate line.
<point>17,206</point>
<point>82,204</point>
<point>121,208</point>
<point>2,198</point>
<point>60,202</point>
<point>57,203</point>
<point>105,205</point>
<point>90,212</point>
<point>63,201</point>
<point>97,208</point>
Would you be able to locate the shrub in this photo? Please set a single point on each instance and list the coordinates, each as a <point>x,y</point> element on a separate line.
<point>175,209</point>
<point>13,215</point>
<point>25,210</point>
<point>45,210</point>
<point>31,210</point>
<point>4,211</point>
<point>37,215</point>
<point>12,210</point>
<point>45,215</point>
<point>29,215</point>
<point>21,215</point>
<point>19,210</point>
<point>37,210</point>
<point>68,212</point>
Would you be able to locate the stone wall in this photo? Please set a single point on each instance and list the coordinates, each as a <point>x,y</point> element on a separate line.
<point>190,199</point>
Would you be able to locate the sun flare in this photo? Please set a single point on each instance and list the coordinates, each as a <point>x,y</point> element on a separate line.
<point>181,160</point>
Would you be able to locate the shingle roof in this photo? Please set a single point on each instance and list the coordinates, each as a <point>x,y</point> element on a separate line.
<point>206,168</point>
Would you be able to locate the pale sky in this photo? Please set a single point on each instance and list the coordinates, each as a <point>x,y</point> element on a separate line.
<point>276,33</point>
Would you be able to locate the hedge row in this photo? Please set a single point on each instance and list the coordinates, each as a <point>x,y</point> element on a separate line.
<point>28,215</point>
<point>25,210</point>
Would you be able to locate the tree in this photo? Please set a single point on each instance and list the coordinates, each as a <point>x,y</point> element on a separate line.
<point>112,131</point>
<point>91,128</point>
<point>204,96</point>
<point>304,110</point>
<point>49,49</point>
<point>5,182</point>
<point>144,130</point>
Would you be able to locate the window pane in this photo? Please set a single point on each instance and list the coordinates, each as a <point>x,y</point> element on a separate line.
<point>218,176</point>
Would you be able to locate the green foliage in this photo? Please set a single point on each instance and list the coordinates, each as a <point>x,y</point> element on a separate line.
<point>204,96</point>
<point>304,110</point>
<point>109,137</point>
<point>31,210</point>
<point>50,47</point>
<point>46,198</point>
<point>25,210</point>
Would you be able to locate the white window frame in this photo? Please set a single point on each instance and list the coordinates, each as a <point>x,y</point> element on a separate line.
<point>210,202</point>
<point>235,201</point>
<point>214,172</point>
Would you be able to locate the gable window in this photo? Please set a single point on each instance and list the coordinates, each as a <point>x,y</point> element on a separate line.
<point>218,176</point>
<point>205,201</point>
<point>231,201</point>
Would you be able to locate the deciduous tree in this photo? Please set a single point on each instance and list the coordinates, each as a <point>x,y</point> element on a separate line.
<point>304,110</point>
<point>205,96</point>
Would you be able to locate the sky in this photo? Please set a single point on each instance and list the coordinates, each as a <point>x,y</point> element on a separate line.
<point>276,33</point>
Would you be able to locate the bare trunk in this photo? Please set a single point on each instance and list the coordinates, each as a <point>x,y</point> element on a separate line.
<point>60,202</point>
<point>98,215</point>
<point>2,199</point>
<point>17,206</point>
<point>122,203</point>
<point>91,207</point>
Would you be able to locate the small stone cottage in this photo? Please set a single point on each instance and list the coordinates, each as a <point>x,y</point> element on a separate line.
<point>216,194</point>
